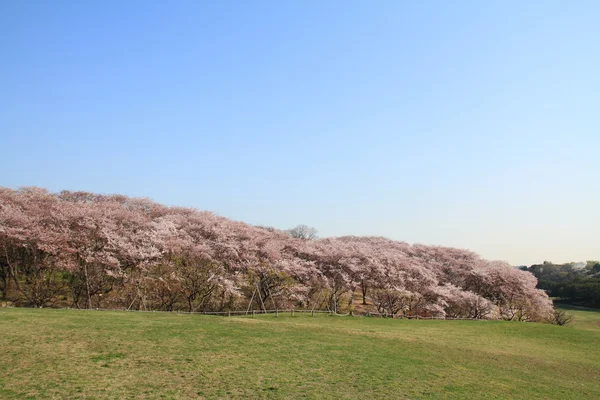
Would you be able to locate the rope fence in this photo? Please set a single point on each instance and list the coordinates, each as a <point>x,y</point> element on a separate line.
<point>278,312</point>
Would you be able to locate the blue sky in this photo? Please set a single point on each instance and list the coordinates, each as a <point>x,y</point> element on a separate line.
<point>467,124</point>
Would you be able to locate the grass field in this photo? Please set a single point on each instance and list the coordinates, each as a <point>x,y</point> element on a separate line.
<point>88,354</point>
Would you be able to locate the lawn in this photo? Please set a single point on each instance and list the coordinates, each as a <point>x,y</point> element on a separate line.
<point>583,318</point>
<point>99,354</point>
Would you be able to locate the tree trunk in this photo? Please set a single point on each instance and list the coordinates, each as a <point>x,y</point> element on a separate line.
<point>363,286</point>
<point>5,282</point>
<point>334,298</point>
<point>190,301</point>
<point>87,287</point>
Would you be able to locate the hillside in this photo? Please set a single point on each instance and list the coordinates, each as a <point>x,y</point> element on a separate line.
<point>85,250</point>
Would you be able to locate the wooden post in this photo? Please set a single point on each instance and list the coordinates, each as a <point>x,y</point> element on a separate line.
<point>292,312</point>
<point>334,298</point>
<point>313,313</point>
<point>229,313</point>
<point>277,313</point>
<point>252,313</point>
<point>251,298</point>
<point>261,300</point>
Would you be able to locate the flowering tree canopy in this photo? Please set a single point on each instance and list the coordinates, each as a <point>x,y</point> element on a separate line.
<point>88,250</point>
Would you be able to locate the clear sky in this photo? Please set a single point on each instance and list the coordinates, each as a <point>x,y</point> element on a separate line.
<point>469,124</point>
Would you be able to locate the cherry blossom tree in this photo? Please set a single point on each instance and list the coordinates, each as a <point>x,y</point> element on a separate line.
<point>90,250</point>
<point>32,237</point>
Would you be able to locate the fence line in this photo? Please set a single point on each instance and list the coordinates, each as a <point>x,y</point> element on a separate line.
<point>291,311</point>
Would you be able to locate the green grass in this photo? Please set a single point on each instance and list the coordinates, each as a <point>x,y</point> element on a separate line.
<point>583,318</point>
<point>88,354</point>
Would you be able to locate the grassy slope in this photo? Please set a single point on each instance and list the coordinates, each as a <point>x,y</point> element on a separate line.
<point>79,354</point>
<point>584,318</point>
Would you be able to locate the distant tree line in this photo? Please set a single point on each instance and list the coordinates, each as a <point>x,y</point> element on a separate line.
<point>85,250</point>
<point>574,283</point>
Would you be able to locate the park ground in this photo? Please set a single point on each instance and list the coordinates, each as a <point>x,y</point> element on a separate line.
<point>57,354</point>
